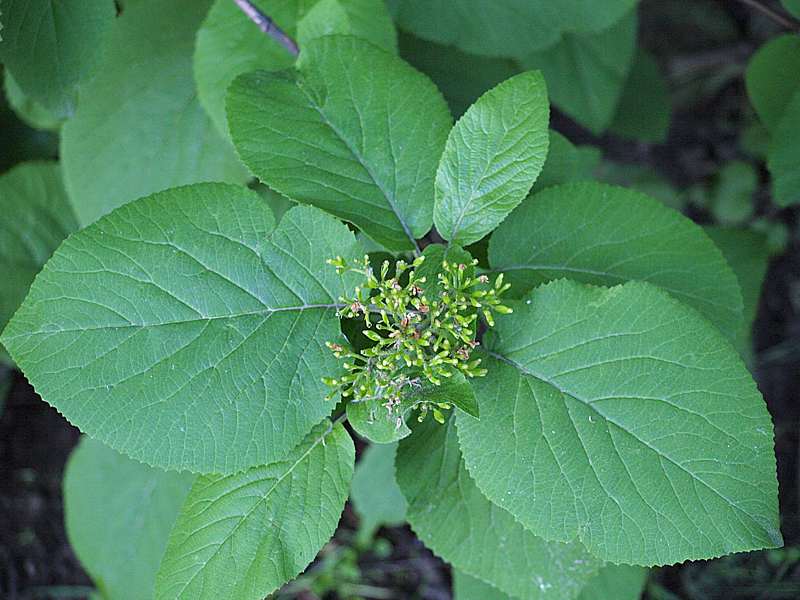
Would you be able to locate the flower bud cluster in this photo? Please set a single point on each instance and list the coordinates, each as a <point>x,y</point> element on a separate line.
<point>420,333</point>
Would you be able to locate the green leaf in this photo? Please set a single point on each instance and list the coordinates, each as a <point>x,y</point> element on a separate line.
<point>769,88</point>
<point>643,179</point>
<point>504,27</point>
<point>229,44</point>
<point>605,235</point>
<point>747,252</point>
<point>783,159</point>
<point>115,151</point>
<point>118,514</point>
<point>374,493</point>
<point>622,418</point>
<point>356,131</point>
<point>242,536</point>
<point>643,111</point>
<point>620,582</point>
<point>564,164</point>
<point>462,77</point>
<point>51,46</point>
<point>586,72</point>
<point>467,587</point>
<point>617,582</point>
<point>366,19</point>
<point>493,155</point>
<point>29,111</point>
<point>371,420</point>
<point>793,6</point>
<point>735,187</point>
<point>453,518</point>
<point>36,219</point>
<point>185,332</point>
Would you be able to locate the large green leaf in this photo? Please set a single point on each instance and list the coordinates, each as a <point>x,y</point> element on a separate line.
<point>139,127</point>
<point>586,72</point>
<point>51,46</point>
<point>613,582</point>
<point>643,110</point>
<point>783,158</point>
<point>622,418</point>
<point>768,85</point>
<point>118,514</point>
<point>355,131</point>
<point>229,44</point>
<point>493,155</point>
<point>36,219</point>
<point>242,536</point>
<point>183,331</point>
<point>375,495</point>
<point>453,518</point>
<point>606,235</point>
<point>367,19</point>
<point>505,27</point>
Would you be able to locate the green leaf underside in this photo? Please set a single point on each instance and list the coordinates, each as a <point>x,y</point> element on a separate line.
<point>504,27</point>
<point>118,514</point>
<point>613,582</point>
<point>227,32</point>
<point>139,128</point>
<point>355,131</point>
<point>586,73</point>
<point>783,159</point>
<point>36,218</point>
<point>375,495</point>
<point>768,86</point>
<point>622,418</point>
<point>50,46</point>
<point>366,19</point>
<point>453,518</point>
<point>493,155</point>
<point>184,332</point>
<point>242,536</point>
<point>606,235</point>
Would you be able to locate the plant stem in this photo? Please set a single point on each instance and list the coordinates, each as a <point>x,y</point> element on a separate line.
<point>779,18</point>
<point>268,26</point>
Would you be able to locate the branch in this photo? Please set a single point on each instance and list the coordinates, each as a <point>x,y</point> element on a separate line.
<point>777,17</point>
<point>268,26</point>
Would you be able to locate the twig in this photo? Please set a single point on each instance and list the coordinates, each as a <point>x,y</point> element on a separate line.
<point>268,26</point>
<point>780,19</point>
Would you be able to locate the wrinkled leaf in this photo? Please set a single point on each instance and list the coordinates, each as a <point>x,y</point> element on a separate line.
<point>605,235</point>
<point>242,536</point>
<point>493,155</point>
<point>185,332</point>
<point>621,418</point>
<point>355,131</point>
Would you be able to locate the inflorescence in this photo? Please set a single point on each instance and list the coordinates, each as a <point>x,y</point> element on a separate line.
<point>417,338</point>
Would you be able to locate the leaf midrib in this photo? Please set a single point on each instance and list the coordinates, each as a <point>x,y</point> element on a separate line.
<point>590,405</point>
<point>260,312</point>
<point>389,198</point>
